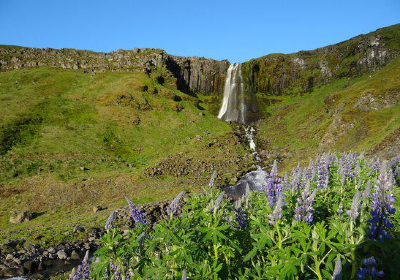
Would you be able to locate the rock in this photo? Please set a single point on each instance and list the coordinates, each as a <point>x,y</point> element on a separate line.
<point>202,114</point>
<point>97,209</point>
<point>42,266</point>
<point>62,255</point>
<point>51,250</point>
<point>30,266</point>
<point>11,271</point>
<point>18,217</point>
<point>75,256</point>
<point>78,228</point>
<point>9,258</point>
<point>177,107</point>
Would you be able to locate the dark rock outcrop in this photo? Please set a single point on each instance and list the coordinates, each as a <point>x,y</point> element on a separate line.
<point>193,74</point>
<point>298,73</point>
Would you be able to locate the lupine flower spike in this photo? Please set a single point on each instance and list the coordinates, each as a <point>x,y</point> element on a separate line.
<point>173,207</point>
<point>241,218</point>
<point>110,220</point>
<point>137,216</point>
<point>382,206</point>
<point>337,272</point>
<point>322,173</point>
<point>82,272</point>
<point>273,187</point>
<point>277,213</point>
<point>355,205</point>
<point>369,272</point>
<point>212,180</point>
<point>218,201</point>
<point>340,209</point>
<point>304,210</point>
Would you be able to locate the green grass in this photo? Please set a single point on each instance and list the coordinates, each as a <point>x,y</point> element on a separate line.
<point>69,141</point>
<point>299,123</point>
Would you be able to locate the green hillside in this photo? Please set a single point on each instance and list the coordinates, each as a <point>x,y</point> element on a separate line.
<point>359,114</point>
<point>70,140</point>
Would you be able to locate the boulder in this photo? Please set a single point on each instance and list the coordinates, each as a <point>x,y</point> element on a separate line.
<point>75,256</point>
<point>62,255</point>
<point>30,266</point>
<point>18,217</point>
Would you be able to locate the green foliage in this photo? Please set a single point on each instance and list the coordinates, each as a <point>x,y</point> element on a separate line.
<point>206,242</point>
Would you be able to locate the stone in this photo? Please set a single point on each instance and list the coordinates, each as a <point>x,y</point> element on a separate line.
<point>75,256</point>
<point>30,266</point>
<point>11,271</point>
<point>9,258</point>
<point>97,208</point>
<point>18,217</point>
<point>62,255</point>
<point>78,228</point>
<point>51,250</point>
<point>202,114</point>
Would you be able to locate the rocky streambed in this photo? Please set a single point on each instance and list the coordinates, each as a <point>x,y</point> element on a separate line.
<point>36,262</point>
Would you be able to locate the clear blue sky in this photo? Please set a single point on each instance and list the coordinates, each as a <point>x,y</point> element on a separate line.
<point>235,30</point>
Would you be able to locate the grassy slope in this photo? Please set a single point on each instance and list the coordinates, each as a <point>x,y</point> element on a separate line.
<point>55,122</point>
<point>299,123</point>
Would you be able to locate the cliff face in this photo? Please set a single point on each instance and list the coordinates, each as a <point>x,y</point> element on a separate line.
<point>197,74</point>
<point>280,74</point>
<point>193,74</point>
<point>275,74</point>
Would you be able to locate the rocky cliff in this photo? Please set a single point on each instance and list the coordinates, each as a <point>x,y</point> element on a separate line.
<point>193,74</point>
<point>281,74</point>
<point>274,74</point>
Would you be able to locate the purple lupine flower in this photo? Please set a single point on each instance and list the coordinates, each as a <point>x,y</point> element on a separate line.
<point>322,173</point>
<point>394,164</point>
<point>72,274</point>
<point>310,170</point>
<point>110,220</point>
<point>355,205</point>
<point>218,201</point>
<point>82,272</point>
<point>340,209</point>
<point>212,180</point>
<point>241,218</point>
<point>304,211</point>
<point>273,187</point>
<point>137,216</point>
<point>367,191</point>
<point>357,170</point>
<point>337,272</point>
<point>369,272</point>
<point>173,207</point>
<point>296,179</point>
<point>285,182</point>
<point>277,213</point>
<point>116,270</point>
<point>375,165</point>
<point>382,206</point>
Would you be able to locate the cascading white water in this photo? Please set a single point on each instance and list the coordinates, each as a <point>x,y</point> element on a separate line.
<point>233,104</point>
<point>234,109</point>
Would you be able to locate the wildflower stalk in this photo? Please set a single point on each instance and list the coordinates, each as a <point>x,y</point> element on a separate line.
<point>279,235</point>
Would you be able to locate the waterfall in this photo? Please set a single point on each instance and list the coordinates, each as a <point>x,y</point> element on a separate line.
<point>233,104</point>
